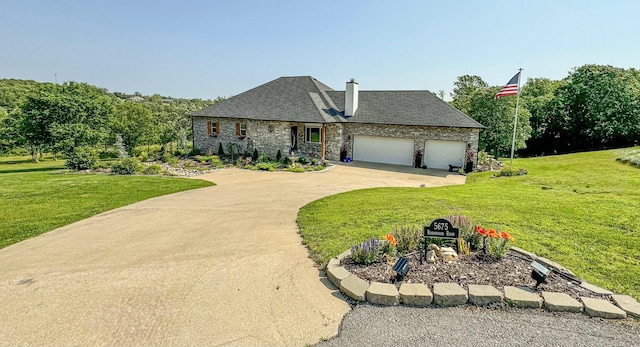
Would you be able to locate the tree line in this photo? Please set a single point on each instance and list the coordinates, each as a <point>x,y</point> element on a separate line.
<point>594,107</point>
<point>59,118</point>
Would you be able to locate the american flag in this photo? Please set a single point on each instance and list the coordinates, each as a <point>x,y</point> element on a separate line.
<point>511,88</point>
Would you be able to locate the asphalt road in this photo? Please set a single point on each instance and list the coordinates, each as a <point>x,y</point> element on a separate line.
<point>368,325</point>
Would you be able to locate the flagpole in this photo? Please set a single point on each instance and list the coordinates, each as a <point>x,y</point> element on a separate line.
<point>515,119</point>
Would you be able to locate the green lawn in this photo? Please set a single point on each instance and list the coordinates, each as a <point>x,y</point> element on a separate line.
<point>582,210</point>
<point>36,198</point>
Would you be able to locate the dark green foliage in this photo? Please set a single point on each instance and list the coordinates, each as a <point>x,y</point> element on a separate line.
<point>279,156</point>
<point>302,160</point>
<point>254,156</point>
<point>125,166</point>
<point>475,98</point>
<point>108,155</point>
<point>194,151</point>
<point>595,107</point>
<point>81,159</point>
<point>58,118</point>
<point>220,150</point>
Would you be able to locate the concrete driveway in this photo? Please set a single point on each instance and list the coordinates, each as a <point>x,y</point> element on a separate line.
<point>221,265</point>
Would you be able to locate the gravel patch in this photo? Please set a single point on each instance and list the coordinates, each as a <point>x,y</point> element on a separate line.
<point>369,325</point>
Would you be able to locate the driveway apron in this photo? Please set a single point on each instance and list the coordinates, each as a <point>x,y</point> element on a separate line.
<point>222,265</point>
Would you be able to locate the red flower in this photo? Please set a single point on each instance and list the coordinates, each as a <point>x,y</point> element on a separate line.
<point>480,230</point>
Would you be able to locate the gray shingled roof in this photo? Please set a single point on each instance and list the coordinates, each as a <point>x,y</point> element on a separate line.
<point>305,99</point>
<point>405,107</point>
<point>296,99</point>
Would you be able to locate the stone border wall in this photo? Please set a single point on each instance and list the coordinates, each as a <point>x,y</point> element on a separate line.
<point>452,294</point>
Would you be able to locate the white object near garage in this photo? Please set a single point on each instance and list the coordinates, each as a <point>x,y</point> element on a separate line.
<point>379,149</point>
<point>439,154</point>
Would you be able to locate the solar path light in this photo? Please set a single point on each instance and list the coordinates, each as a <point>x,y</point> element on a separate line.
<point>401,268</point>
<point>539,273</point>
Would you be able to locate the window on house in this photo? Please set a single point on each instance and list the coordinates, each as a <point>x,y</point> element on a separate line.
<point>312,134</point>
<point>213,128</point>
<point>241,129</point>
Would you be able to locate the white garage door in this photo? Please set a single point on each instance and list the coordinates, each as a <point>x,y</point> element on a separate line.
<point>439,154</point>
<point>388,150</point>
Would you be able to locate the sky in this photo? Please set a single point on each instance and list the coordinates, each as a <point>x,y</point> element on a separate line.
<point>206,49</point>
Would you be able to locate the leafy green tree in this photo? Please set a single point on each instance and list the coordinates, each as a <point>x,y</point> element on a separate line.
<point>498,116</point>
<point>463,90</point>
<point>474,97</point>
<point>596,107</point>
<point>62,118</point>
<point>536,97</point>
<point>133,122</point>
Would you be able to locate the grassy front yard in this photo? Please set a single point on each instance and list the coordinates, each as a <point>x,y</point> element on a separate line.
<point>36,198</point>
<point>582,210</point>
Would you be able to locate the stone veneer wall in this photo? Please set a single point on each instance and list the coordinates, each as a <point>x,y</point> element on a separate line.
<point>269,142</point>
<point>258,136</point>
<point>418,133</point>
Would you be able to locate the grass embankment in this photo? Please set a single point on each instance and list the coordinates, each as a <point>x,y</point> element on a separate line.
<point>581,210</point>
<point>39,197</point>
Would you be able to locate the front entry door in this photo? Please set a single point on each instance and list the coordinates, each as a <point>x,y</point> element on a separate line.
<point>294,138</point>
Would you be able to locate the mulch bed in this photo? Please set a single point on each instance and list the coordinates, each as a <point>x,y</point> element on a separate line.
<point>511,270</point>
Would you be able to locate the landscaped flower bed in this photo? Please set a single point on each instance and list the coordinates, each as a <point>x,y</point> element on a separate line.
<point>484,258</point>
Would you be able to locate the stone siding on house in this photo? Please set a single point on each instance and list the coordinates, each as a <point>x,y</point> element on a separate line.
<point>419,134</point>
<point>269,142</point>
<point>258,136</point>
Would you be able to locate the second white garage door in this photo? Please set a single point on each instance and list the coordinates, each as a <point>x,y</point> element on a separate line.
<point>438,154</point>
<point>388,150</point>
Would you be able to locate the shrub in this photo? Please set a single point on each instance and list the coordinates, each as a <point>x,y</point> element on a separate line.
<point>483,158</point>
<point>169,159</point>
<point>254,156</point>
<point>220,150</point>
<point>279,156</point>
<point>262,159</point>
<point>153,169</point>
<point>100,165</point>
<point>319,168</point>
<point>215,161</point>
<point>302,160</point>
<point>194,151</point>
<point>81,159</point>
<point>368,252</point>
<point>143,156</point>
<point>108,155</point>
<point>125,166</point>
<point>512,171</point>
<point>408,239</point>
<point>269,166</point>
<point>631,157</point>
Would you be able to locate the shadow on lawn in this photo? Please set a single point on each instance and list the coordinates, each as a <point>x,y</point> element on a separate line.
<point>30,169</point>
